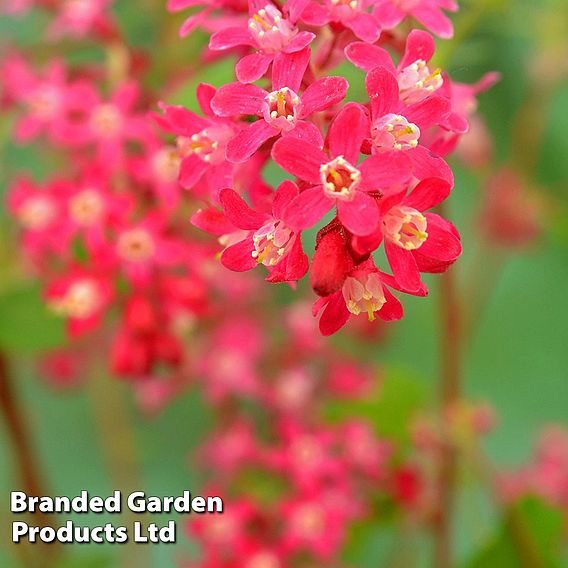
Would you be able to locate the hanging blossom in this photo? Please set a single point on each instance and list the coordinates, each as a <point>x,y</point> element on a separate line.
<point>366,172</point>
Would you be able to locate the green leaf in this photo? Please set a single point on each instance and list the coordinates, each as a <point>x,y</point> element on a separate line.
<point>26,326</point>
<point>389,409</point>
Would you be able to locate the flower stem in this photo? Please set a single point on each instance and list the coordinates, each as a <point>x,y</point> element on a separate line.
<point>28,470</point>
<point>451,362</point>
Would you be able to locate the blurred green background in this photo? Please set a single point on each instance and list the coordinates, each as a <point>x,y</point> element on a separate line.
<point>517,358</point>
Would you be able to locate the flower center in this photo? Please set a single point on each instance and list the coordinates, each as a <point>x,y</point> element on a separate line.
<point>136,245</point>
<point>263,560</point>
<point>271,31</point>
<point>44,102</point>
<point>281,109</point>
<point>272,242</point>
<point>309,520</point>
<point>364,293</point>
<point>36,213</point>
<point>165,164</point>
<point>209,144</point>
<point>417,82</point>
<point>106,121</point>
<point>340,179</point>
<point>86,207</point>
<point>81,300</point>
<point>405,227</point>
<point>394,132</point>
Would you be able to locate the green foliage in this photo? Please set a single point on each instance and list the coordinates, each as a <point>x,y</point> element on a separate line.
<point>390,408</point>
<point>530,536</point>
<point>26,326</point>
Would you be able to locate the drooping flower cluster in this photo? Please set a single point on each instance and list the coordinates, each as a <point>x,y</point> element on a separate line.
<point>367,173</point>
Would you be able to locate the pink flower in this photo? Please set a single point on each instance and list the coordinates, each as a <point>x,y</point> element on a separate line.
<point>352,14</point>
<point>389,13</point>
<point>364,290</point>
<point>270,32</point>
<point>335,178</point>
<point>201,143</point>
<point>81,297</point>
<point>282,111</point>
<point>415,79</point>
<point>270,240</point>
<point>414,241</point>
<point>396,127</point>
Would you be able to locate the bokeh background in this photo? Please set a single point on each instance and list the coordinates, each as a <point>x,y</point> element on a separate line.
<point>94,437</point>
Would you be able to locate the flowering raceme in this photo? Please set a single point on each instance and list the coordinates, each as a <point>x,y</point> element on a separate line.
<point>369,169</point>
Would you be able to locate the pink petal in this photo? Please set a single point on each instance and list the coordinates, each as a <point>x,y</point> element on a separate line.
<point>419,45</point>
<point>239,213</point>
<point>295,9</point>
<point>212,221</point>
<point>227,38</point>
<point>235,99</point>
<point>239,257</point>
<point>425,165</point>
<point>392,309</point>
<point>308,132</point>
<point>299,42</point>
<point>248,141</point>
<point>331,264</point>
<point>288,69</point>
<point>388,14</point>
<point>205,93</point>
<point>193,22</point>
<point>252,67</point>
<point>443,242</point>
<point>316,15</point>
<point>299,158</point>
<point>429,112</point>
<point>380,172</point>
<point>364,27</point>
<point>285,193</point>
<point>382,88</point>
<point>434,20</point>
<point>403,267</point>
<point>335,315</point>
<point>323,94</point>
<point>308,208</point>
<point>367,56</point>
<point>293,267</point>
<point>191,171</point>
<point>182,121</point>
<point>347,132</point>
<point>360,216</point>
<point>428,193</point>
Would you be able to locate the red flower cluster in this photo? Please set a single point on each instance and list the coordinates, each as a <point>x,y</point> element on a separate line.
<point>368,171</point>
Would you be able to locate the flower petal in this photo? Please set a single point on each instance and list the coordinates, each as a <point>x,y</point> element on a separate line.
<point>252,67</point>
<point>287,191</point>
<point>212,221</point>
<point>335,315</point>
<point>403,267</point>
<point>239,213</point>
<point>426,165</point>
<point>238,257</point>
<point>360,216</point>
<point>347,132</point>
<point>308,208</point>
<point>364,27</point>
<point>382,88</point>
<point>323,94</point>
<point>428,193</point>
<point>443,242</point>
<point>308,132</point>
<point>235,99</point>
<point>392,309</point>
<point>248,141</point>
<point>191,171</point>
<point>419,45</point>
<point>380,172</point>
<point>299,158</point>
<point>434,19</point>
<point>331,264</point>
<point>299,42</point>
<point>288,69</point>
<point>367,56</point>
<point>227,38</point>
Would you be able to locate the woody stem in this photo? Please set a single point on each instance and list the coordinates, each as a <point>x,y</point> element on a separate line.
<point>450,378</point>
